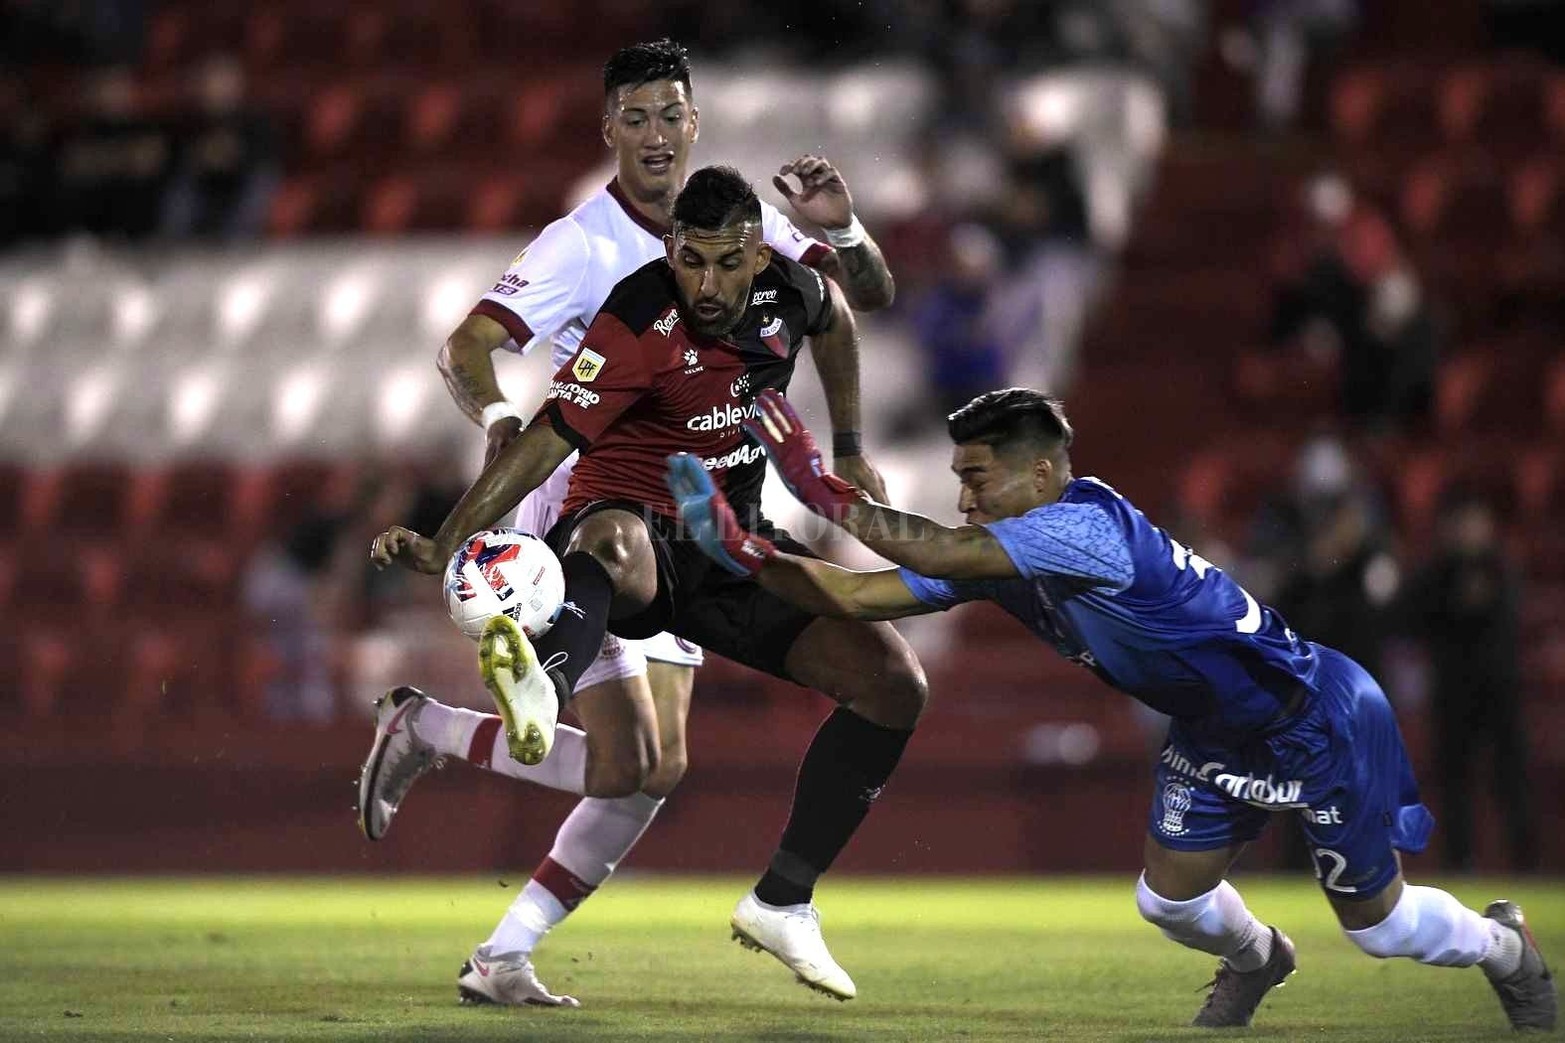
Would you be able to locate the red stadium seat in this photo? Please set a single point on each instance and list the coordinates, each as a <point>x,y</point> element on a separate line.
<point>1554,395</point>
<point>78,499</point>
<point>1502,108</point>
<point>1386,108</point>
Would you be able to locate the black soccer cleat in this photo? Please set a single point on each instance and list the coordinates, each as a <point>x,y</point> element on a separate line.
<point>1235,994</point>
<point>1529,994</point>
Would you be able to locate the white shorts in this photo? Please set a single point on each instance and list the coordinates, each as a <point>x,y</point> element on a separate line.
<point>619,658</point>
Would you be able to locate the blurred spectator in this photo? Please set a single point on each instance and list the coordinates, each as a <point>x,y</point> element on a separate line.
<point>953,326</point>
<point>226,168</point>
<point>114,166</point>
<point>1324,561</point>
<point>1345,289</point>
<point>1287,36</point>
<point>1463,604</point>
<point>296,607</point>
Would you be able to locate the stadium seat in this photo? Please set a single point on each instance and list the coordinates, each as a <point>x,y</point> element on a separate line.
<point>13,484</point>
<point>1499,107</point>
<point>1554,395</point>
<point>82,498</point>
<point>1386,107</point>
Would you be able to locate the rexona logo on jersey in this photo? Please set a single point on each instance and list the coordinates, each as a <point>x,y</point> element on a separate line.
<point>763,297</point>
<point>721,418</point>
<point>665,325</point>
<point>745,454</point>
<point>509,283</point>
<point>588,365</point>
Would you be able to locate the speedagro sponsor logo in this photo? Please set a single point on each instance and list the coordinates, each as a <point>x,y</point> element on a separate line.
<point>745,454</point>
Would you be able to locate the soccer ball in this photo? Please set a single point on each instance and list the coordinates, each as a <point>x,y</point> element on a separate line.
<point>504,571</point>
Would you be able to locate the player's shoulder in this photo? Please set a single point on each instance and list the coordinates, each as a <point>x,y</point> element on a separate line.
<point>643,299</point>
<point>788,279</point>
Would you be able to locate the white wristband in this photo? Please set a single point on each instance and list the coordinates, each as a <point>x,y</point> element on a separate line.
<point>498,411</point>
<point>843,238</point>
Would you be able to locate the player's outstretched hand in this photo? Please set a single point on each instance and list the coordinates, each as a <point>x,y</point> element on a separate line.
<point>798,459</point>
<point>501,433</point>
<point>857,471</point>
<point>408,549</point>
<point>822,196</point>
<point>710,521</point>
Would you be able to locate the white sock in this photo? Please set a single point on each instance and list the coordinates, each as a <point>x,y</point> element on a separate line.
<point>590,844</point>
<point>1216,922</point>
<point>1431,926</point>
<point>454,732</point>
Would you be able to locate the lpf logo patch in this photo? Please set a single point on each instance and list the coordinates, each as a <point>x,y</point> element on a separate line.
<point>588,365</point>
<point>1176,801</point>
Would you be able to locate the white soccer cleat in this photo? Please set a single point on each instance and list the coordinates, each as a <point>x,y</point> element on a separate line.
<point>507,979</point>
<point>523,694</point>
<point>397,758</point>
<point>792,933</point>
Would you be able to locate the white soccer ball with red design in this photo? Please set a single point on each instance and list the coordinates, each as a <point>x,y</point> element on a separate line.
<point>504,572</point>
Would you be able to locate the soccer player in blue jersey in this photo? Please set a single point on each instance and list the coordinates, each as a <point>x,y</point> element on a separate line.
<point>1264,721</point>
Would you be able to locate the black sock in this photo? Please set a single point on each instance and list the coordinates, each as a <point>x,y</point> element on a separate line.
<point>573,642</point>
<point>842,773</point>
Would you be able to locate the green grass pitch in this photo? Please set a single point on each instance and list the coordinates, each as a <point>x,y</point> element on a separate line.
<point>935,959</point>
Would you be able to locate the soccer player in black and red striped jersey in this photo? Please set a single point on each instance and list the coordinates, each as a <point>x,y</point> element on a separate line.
<point>672,363</point>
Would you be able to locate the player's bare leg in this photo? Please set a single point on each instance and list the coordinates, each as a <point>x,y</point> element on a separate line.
<point>608,567</point>
<point>1428,925</point>
<point>1186,895</point>
<point>672,684</point>
<point>872,673</point>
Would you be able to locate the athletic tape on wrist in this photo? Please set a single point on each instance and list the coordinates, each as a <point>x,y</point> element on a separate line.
<point>498,411</point>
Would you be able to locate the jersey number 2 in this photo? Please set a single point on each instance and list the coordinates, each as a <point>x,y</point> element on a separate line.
<point>1184,558</point>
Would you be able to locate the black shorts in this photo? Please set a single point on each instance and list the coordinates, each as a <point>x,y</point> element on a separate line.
<point>699,600</point>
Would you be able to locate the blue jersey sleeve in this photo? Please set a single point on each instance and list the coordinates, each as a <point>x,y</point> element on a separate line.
<point>942,593</point>
<point>1081,540</point>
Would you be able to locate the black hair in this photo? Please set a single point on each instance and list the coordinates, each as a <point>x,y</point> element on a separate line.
<point>645,63</point>
<point>1013,418</point>
<point>715,198</point>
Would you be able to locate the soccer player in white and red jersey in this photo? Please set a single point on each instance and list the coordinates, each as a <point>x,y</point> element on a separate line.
<point>636,692</point>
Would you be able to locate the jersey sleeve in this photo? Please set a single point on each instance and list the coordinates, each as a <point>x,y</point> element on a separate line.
<point>942,593</point>
<point>1067,539</point>
<point>785,237</point>
<point>607,375</point>
<point>542,290</point>
<point>811,286</point>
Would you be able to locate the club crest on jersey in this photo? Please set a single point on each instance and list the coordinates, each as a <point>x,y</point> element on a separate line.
<point>588,365</point>
<point>775,336</point>
<point>665,325</point>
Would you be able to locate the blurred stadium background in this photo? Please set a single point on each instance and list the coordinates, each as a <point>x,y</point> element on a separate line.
<point>1297,266</point>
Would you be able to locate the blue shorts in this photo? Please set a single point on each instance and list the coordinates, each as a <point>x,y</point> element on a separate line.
<point>1338,764</point>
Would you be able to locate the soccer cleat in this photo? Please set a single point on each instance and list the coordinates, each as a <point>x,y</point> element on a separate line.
<point>1236,994</point>
<point>397,758</point>
<point>523,693</point>
<point>792,933</point>
<point>1529,995</point>
<point>507,980</point>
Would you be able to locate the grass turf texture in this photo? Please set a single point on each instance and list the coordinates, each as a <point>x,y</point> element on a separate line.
<point>935,959</point>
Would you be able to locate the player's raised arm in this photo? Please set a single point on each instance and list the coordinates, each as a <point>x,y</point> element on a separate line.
<point>835,351</point>
<point>815,586</point>
<point>857,262</point>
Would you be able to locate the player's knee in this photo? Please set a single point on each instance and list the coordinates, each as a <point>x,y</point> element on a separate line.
<point>624,775</point>
<point>1163,912</point>
<point>668,774</point>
